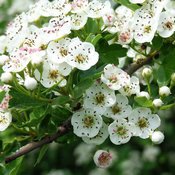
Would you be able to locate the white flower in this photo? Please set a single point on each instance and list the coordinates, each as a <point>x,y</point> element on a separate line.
<point>79,6</point>
<point>166,25</point>
<point>5,119</point>
<point>114,77</point>
<point>164,91</point>
<point>157,102</point>
<point>144,122</point>
<point>144,24</point>
<point>170,6</point>
<point>82,55</point>
<point>16,32</point>
<point>3,42</point>
<point>55,8</point>
<point>136,1</point>
<point>30,83</point>
<point>3,59</point>
<point>98,97</point>
<point>97,9</point>
<point>121,108</point>
<point>157,137</point>
<point>78,20</point>
<point>53,74</point>
<point>57,28</point>
<point>6,77</point>
<point>125,36</point>
<point>86,123</point>
<point>132,88</point>
<point>99,138</point>
<point>143,94</point>
<point>57,51</point>
<point>120,131</point>
<point>103,159</point>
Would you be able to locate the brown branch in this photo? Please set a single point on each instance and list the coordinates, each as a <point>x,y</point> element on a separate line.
<point>62,130</point>
<point>135,66</point>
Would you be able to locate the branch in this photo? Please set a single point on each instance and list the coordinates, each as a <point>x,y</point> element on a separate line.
<point>135,66</point>
<point>62,130</point>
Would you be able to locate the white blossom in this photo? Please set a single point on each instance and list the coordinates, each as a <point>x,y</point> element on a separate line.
<point>120,131</point>
<point>86,123</point>
<point>82,55</point>
<point>5,119</point>
<point>144,122</point>
<point>103,159</point>
<point>114,77</point>
<point>99,138</point>
<point>121,108</point>
<point>99,97</point>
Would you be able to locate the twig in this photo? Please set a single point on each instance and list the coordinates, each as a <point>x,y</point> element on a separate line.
<point>62,130</point>
<point>135,66</point>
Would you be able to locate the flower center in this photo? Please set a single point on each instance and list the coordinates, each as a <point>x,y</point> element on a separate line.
<point>88,121</point>
<point>3,120</point>
<point>63,52</point>
<point>53,74</point>
<point>80,58</point>
<point>169,25</point>
<point>104,158</point>
<point>113,78</point>
<point>121,130</point>
<point>99,98</point>
<point>143,123</point>
<point>147,29</point>
<point>115,109</point>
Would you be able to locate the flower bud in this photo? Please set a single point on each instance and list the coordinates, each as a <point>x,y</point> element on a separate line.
<point>157,102</point>
<point>143,94</point>
<point>157,137</point>
<point>3,59</point>
<point>30,83</point>
<point>6,77</point>
<point>103,159</point>
<point>164,91</point>
<point>147,72</point>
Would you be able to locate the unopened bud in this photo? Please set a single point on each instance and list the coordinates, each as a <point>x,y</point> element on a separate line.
<point>157,103</point>
<point>143,94</point>
<point>30,83</point>
<point>157,137</point>
<point>6,77</point>
<point>164,91</point>
<point>147,72</point>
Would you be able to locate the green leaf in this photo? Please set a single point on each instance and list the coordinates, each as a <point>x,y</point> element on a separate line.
<point>143,101</point>
<point>96,39</point>
<point>127,4</point>
<point>111,53</point>
<point>157,43</point>
<point>81,87</point>
<point>42,152</point>
<point>61,100</point>
<point>20,100</point>
<point>91,26</point>
<point>2,95</point>
<point>17,166</point>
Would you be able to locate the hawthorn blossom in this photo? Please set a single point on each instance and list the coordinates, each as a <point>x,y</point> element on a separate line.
<point>86,123</point>
<point>166,25</point>
<point>57,28</point>
<point>79,6</point>
<point>136,1</point>
<point>120,131</point>
<point>5,119</point>
<point>82,55</point>
<point>132,88</point>
<point>78,20</point>
<point>99,138</point>
<point>57,51</point>
<point>115,78</point>
<point>53,74</point>
<point>5,101</point>
<point>121,108</point>
<point>98,97</point>
<point>97,9</point>
<point>144,122</point>
<point>103,159</point>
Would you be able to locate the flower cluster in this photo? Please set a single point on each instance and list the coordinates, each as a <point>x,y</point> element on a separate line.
<point>58,54</point>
